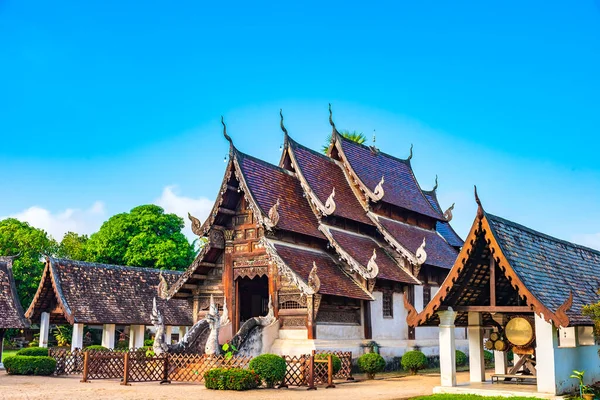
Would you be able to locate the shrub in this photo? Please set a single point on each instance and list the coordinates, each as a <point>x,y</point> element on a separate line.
<point>96,347</point>
<point>337,363</point>
<point>33,352</point>
<point>488,356</point>
<point>122,345</point>
<point>30,365</point>
<point>149,342</point>
<point>231,379</point>
<point>461,358</point>
<point>413,361</point>
<point>371,363</point>
<point>270,368</point>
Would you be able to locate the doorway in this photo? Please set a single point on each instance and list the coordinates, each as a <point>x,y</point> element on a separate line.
<point>253,297</point>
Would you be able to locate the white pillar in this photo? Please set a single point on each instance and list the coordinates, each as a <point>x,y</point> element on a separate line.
<point>447,347</point>
<point>136,336</point>
<point>44,329</point>
<point>168,334</point>
<point>77,338</point>
<point>545,337</point>
<point>108,335</point>
<point>500,362</point>
<point>476,359</point>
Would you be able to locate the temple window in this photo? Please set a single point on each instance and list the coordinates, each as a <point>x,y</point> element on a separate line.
<point>388,304</point>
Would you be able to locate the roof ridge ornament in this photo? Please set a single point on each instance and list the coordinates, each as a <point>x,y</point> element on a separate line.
<point>285,132</point>
<point>561,312</point>
<point>421,254</point>
<point>335,131</point>
<point>225,131</point>
<point>448,213</point>
<point>372,267</point>
<point>410,156</point>
<point>225,317</point>
<point>480,212</point>
<point>378,192</point>
<point>330,204</point>
<point>163,287</point>
<point>196,225</point>
<point>436,184</point>
<point>273,217</point>
<point>314,282</point>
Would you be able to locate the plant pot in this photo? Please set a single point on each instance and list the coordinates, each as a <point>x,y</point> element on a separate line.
<point>588,396</point>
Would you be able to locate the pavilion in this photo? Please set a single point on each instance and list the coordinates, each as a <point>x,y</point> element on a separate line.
<point>506,270</point>
<point>10,306</point>
<point>81,293</point>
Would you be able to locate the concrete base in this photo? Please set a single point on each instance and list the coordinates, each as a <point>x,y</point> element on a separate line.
<point>489,389</point>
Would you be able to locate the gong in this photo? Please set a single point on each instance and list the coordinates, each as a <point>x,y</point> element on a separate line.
<point>519,331</point>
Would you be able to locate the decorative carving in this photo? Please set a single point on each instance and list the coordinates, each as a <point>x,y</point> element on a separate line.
<point>229,235</point>
<point>273,218</point>
<point>296,297</point>
<point>561,312</point>
<point>410,156</point>
<point>371,284</point>
<point>216,239</point>
<point>372,267</point>
<point>293,322</point>
<point>196,225</point>
<point>316,304</point>
<point>313,279</point>
<point>332,124</point>
<point>163,287</point>
<point>436,184</point>
<point>225,316</point>
<point>225,131</point>
<point>411,312</point>
<point>285,132</point>
<point>330,204</point>
<point>448,213</point>
<point>378,192</point>
<point>250,272</point>
<point>480,212</point>
<point>421,254</point>
<point>339,316</point>
<point>447,317</point>
<point>251,262</point>
<point>283,269</point>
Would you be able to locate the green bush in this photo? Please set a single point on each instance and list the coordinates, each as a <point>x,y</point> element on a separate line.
<point>231,379</point>
<point>30,365</point>
<point>33,352</point>
<point>270,368</point>
<point>461,358</point>
<point>488,356</point>
<point>371,363</point>
<point>96,347</point>
<point>149,342</point>
<point>413,361</point>
<point>337,363</point>
<point>122,345</point>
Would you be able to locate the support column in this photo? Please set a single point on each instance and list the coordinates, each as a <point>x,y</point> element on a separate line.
<point>228,281</point>
<point>476,358</point>
<point>168,334</point>
<point>77,338</point>
<point>447,347</point>
<point>545,338</point>
<point>136,336</point>
<point>1,345</point>
<point>108,336</point>
<point>500,362</point>
<point>44,329</point>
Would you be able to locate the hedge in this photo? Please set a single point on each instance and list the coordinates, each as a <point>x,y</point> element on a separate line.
<point>33,352</point>
<point>30,365</point>
<point>270,367</point>
<point>461,358</point>
<point>96,347</point>
<point>337,363</point>
<point>371,363</point>
<point>231,379</point>
<point>488,356</point>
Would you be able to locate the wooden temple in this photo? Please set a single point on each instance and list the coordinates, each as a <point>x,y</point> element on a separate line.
<point>336,241</point>
<point>527,290</point>
<point>11,312</point>
<point>82,293</point>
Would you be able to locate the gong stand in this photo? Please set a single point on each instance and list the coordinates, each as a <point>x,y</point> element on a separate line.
<point>527,362</point>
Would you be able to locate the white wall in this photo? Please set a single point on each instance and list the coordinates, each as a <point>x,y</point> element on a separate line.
<point>342,332</point>
<point>388,328</point>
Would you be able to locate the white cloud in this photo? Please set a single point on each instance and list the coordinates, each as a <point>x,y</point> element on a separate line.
<point>172,202</point>
<point>72,219</point>
<point>588,239</point>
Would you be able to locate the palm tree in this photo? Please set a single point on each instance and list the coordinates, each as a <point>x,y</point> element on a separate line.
<point>355,136</point>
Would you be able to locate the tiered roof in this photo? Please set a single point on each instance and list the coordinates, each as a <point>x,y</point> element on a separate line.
<point>11,312</point>
<point>443,227</point>
<point>90,293</point>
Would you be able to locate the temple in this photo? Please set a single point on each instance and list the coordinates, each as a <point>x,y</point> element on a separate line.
<point>337,241</point>
<point>10,306</point>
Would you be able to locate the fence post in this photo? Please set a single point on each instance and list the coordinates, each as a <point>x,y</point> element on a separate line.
<point>311,372</point>
<point>86,360</point>
<point>350,377</point>
<point>165,378</point>
<point>329,372</point>
<point>125,369</point>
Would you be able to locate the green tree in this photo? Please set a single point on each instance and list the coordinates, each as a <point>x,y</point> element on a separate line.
<point>31,244</point>
<point>355,136</point>
<point>144,237</point>
<point>73,246</point>
<point>593,311</point>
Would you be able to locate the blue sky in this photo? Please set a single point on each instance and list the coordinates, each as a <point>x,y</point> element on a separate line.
<point>105,105</point>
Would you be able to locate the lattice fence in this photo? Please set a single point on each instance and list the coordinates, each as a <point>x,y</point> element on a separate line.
<point>67,362</point>
<point>105,365</point>
<point>297,370</point>
<point>191,368</point>
<point>346,357</point>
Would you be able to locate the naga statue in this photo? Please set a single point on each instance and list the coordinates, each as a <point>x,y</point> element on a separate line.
<point>203,337</point>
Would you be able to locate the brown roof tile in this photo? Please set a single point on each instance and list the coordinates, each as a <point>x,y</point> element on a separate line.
<point>11,312</point>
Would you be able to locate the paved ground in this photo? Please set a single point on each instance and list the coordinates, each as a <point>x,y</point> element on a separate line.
<point>29,387</point>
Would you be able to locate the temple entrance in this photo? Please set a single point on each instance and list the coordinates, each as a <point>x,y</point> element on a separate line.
<point>253,297</point>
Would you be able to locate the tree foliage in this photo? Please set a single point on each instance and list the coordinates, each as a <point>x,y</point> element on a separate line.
<point>593,311</point>
<point>31,244</point>
<point>73,246</point>
<point>354,136</point>
<point>144,237</point>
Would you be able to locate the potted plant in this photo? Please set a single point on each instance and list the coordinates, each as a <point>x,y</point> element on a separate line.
<point>585,391</point>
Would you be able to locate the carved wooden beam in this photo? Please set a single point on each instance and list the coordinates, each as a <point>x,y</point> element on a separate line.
<point>207,264</point>
<point>491,309</point>
<point>199,276</point>
<point>182,295</point>
<point>189,286</point>
<point>226,211</point>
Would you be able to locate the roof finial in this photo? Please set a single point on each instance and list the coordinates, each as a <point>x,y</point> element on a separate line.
<point>331,120</point>
<point>281,123</point>
<point>480,211</point>
<point>225,131</point>
<point>411,153</point>
<point>373,137</point>
<point>436,183</point>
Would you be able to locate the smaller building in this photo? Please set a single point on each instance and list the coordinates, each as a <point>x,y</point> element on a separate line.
<point>11,312</point>
<point>81,293</point>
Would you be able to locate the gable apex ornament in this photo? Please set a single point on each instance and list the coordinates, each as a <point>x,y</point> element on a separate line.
<point>378,192</point>
<point>410,156</point>
<point>372,267</point>
<point>480,212</point>
<point>421,254</point>
<point>331,123</point>
<point>313,279</point>
<point>330,204</point>
<point>436,184</point>
<point>196,225</point>
<point>285,132</point>
<point>448,213</point>
<point>273,217</point>
<point>225,131</point>
<point>163,288</point>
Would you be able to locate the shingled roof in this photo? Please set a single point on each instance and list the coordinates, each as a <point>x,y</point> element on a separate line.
<point>90,293</point>
<point>443,227</point>
<point>534,272</point>
<point>11,312</point>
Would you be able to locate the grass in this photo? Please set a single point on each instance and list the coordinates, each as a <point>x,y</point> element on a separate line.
<point>465,397</point>
<point>7,353</point>
<point>402,373</point>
